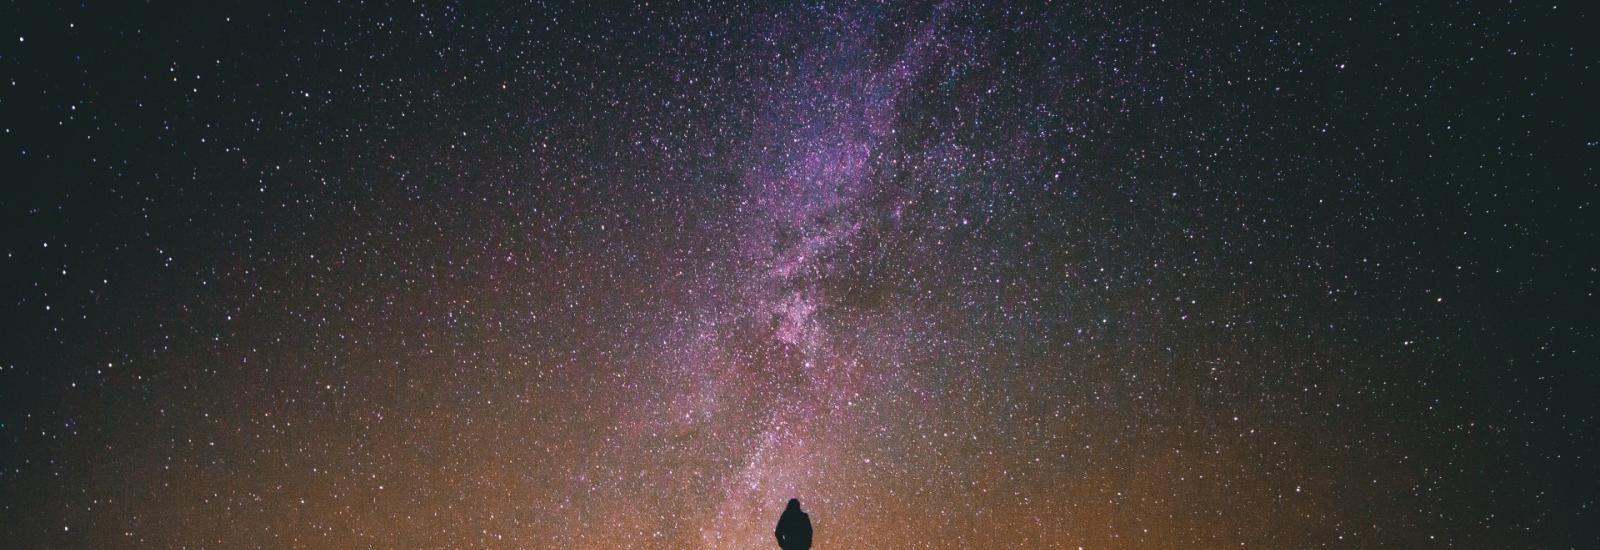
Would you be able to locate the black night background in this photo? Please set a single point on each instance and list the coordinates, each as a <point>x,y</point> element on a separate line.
<point>955,275</point>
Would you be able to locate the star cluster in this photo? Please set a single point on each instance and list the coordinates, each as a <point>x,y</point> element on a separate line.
<point>954,274</point>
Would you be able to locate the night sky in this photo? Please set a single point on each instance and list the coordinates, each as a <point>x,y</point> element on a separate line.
<point>955,275</point>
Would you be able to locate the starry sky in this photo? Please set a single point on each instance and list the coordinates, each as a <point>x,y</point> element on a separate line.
<point>955,274</point>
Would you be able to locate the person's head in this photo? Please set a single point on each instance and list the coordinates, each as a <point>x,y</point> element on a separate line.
<point>794,504</point>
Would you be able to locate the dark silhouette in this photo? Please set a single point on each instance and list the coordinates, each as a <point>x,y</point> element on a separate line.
<point>794,528</point>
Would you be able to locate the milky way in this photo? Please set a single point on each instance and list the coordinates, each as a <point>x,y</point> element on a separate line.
<point>955,275</point>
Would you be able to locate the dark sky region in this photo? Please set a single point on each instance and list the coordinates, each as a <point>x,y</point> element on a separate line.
<point>956,275</point>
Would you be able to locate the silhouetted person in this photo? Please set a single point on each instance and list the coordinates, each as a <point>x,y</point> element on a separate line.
<point>794,528</point>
